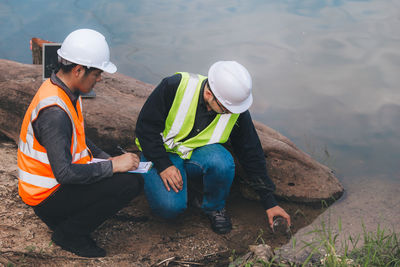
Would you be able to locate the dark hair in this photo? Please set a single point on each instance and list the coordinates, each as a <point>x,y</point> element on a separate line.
<point>68,68</point>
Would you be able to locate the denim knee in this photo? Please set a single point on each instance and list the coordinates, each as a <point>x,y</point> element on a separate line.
<point>222,165</point>
<point>169,210</point>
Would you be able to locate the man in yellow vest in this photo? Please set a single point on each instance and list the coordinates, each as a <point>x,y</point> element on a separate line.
<point>181,129</point>
<point>70,195</point>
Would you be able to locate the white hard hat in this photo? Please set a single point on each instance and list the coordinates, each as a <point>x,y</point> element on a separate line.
<point>88,48</point>
<point>231,84</point>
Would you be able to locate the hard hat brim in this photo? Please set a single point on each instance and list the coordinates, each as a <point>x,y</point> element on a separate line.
<point>245,105</point>
<point>110,68</point>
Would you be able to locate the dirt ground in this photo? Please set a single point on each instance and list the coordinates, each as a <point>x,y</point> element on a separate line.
<point>135,237</point>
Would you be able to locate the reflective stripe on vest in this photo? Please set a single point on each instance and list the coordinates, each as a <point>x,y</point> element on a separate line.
<point>192,84</point>
<point>38,155</point>
<point>180,120</point>
<point>36,178</point>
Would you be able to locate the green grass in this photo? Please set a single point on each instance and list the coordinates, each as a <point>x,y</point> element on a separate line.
<point>378,248</point>
<point>381,248</point>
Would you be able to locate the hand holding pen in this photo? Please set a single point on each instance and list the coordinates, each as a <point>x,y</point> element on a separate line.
<point>125,162</point>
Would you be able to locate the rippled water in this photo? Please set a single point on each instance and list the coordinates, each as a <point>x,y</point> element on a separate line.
<point>325,72</point>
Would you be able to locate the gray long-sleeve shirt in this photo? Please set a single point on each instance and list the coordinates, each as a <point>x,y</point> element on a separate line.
<point>53,130</point>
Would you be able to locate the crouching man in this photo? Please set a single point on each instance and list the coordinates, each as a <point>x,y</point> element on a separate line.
<point>71,196</point>
<point>181,129</point>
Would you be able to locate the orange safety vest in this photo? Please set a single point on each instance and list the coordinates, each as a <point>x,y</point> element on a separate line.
<point>36,179</point>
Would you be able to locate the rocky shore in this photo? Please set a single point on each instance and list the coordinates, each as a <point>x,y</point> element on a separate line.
<point>134,237</point>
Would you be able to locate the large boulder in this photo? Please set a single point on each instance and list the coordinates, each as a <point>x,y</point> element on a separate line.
<point>111,117</point>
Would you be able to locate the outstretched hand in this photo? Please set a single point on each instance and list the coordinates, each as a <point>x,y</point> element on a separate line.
<point>171,177</point>
<point>277,211</point>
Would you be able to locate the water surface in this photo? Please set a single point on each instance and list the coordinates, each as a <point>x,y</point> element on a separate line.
<point>325,72</point>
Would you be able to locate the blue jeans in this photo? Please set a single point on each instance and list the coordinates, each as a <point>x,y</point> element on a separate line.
<point>212,162</point>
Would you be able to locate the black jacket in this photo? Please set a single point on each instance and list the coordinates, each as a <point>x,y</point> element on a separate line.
<point>244,139</point>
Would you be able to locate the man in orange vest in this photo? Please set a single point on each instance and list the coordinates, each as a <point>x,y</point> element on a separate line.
<point>71,196</point>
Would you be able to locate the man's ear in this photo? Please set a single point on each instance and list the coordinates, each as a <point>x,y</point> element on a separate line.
<point>207,93</point>
<point>77,70</point>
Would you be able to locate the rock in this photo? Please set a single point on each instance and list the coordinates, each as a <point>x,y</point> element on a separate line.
<point>259,255</point>
<point>111,118</point>
<point>262,252</point>
<point>296,175</point>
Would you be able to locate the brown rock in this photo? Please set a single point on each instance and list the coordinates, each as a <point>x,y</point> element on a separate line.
<point>111,118</point>
<point>296,175</point>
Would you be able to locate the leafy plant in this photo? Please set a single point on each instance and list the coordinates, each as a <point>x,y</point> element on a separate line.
<point>379,249</point>
<point>259,237</point>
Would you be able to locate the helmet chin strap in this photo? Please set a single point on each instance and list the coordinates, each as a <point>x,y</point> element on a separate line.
<point>64,61</point>
<point>207,95</point>
<point>208,98</point>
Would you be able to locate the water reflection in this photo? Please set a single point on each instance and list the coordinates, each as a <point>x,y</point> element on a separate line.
<point>323,70</point>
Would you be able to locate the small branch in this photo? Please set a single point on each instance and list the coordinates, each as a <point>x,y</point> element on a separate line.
<point>215,253</point>
<point>167,261</point>
<point>189,262</point>
<point>40,255</point>
<point>172,260</point>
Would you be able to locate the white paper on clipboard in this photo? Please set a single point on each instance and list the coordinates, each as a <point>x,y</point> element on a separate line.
<point>144,166</point>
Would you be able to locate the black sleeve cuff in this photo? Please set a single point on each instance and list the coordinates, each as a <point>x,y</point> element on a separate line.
<point>267,200</point>
<point>162,164</point>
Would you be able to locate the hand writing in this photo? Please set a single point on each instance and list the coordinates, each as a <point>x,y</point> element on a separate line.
<point>125,162</point>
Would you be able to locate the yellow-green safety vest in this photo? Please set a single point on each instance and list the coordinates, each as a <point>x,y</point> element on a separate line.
<point>181,116</point>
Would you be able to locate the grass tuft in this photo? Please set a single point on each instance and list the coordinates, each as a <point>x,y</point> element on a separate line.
<point>379,248</point>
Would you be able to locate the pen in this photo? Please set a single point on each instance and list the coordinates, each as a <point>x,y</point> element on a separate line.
<point>121,149</point>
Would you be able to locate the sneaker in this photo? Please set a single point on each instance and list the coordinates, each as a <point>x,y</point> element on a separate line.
<point>220,221</point>
<point>83,246</point>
